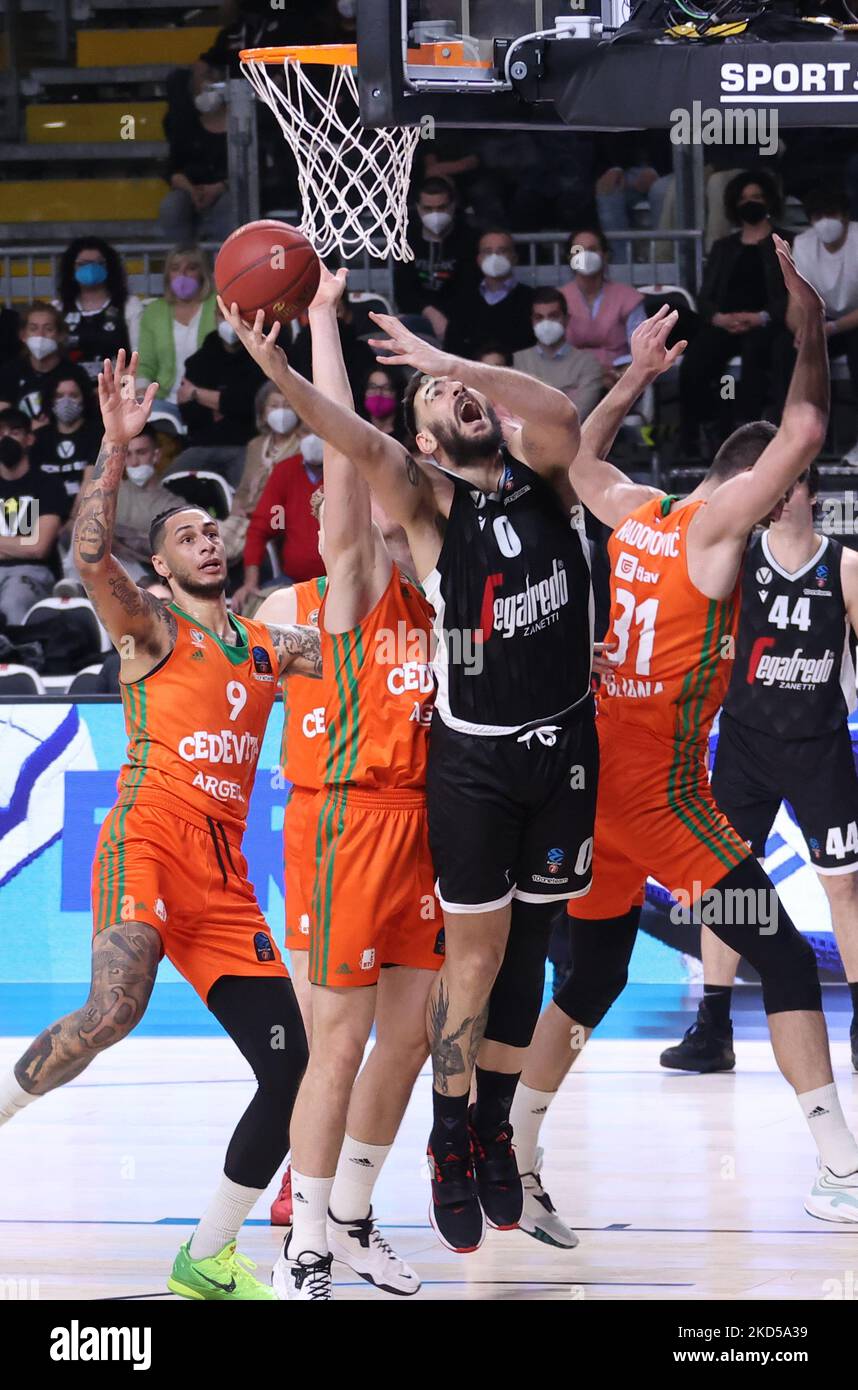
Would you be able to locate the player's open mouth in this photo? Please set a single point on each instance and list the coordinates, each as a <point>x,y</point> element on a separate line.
<point>211,565</point>
<point>469,412</point>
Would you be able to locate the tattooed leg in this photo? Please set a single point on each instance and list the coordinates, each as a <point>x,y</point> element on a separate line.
<point>458,1003</point>
<point>124,964</point>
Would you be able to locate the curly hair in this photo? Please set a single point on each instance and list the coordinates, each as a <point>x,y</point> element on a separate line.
<point>737,185</point>
<point>68,289</point>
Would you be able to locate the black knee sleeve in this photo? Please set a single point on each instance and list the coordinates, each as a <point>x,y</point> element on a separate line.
<point>263,1019</point>
<point>747,915</point>
<point>601,952</point>
<point>516,998</point>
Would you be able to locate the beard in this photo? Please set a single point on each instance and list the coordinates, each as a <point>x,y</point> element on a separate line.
<point>464,449</point>
<point>200,588</point>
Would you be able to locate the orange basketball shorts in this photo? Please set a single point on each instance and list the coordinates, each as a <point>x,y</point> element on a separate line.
<point>297,874</point>
<point>655,814</point>
<point>373,901</point>
<point>187,881</point>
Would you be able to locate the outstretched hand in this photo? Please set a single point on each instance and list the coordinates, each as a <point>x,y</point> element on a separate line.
<point>404,349</point>
<point>800,291</point>
<point>262,346</point>
<point>331,288</point>
<point>649,351</point>
<point>123,415</point>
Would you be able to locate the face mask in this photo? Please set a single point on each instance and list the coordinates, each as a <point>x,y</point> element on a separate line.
<point>549,331</point>
<point>347,8</point>
<point>67,409</point>
<point>227,332</point>
<point>281,420</point>
<point>586,262</point>
<point>11,452</point>
<point>379,404</point>
<point>312,449</point>
<point>496,266</point>
<point>752,213</point>
<point>436,223</point>
<point>184,286</point>
<point>140,473</point>
<point>91,273</point>
<point>41,347</point>
<point>208,100</point>
<point>828,229</point>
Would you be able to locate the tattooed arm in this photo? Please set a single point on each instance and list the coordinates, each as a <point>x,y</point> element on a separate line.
<point>298,648</point>
<point>136,623</point>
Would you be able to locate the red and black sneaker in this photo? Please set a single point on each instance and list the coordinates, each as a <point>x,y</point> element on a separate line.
<point>455,1212</point>
<point>498,1183</point>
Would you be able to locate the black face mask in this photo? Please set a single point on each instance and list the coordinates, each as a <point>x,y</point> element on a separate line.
<point>11,452</point>
<point>752,213</point>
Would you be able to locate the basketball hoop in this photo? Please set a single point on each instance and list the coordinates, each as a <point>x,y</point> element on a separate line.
<point>353,181</point>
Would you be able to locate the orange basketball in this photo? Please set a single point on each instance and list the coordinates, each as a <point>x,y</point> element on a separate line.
<point>270,266</point>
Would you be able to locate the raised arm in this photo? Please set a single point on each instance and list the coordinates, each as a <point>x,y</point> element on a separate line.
<point>395,479</point>
<point>136,623</point>
<point>608,493</point>
<point>298,648</point>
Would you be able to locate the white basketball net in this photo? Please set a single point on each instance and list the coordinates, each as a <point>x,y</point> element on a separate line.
<point>353,181</point>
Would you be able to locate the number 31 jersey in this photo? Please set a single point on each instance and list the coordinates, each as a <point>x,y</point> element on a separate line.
<point>673,646</point>
<point>196,723</point>
<point>793,676</point>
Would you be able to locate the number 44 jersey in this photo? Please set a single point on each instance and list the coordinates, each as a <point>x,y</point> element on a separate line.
<point>672,646</point>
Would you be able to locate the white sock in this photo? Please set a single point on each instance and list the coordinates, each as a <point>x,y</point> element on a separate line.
<point>529,1109</point>
<point>12,1097</point>
<point>357,1173</point>
<point>223,1218</point>
<point>311,1198</point>
<point>835,1141</point>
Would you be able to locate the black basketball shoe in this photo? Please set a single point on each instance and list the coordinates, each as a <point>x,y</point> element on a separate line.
<point>498,1181</point>
<point>455,1212</point>
<point>704,1048</point>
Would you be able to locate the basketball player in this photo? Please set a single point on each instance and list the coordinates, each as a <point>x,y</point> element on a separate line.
<point>783,736</point>
<point>169,877</point>
<point>675,580</point>
<point>375,943</point>
<point>513,760</point>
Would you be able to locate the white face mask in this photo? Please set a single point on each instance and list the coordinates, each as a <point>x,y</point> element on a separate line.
<point>140,473</point>
<point>828,229</point>
<point>41,347</point>
<point>312,449</point>
<point>549,331</point>
<point>585,262</point>
<point>496,266</point>
<point>281,420</point>
<point>208,100</point>
<point>436,223</point>
<point>227,332</point>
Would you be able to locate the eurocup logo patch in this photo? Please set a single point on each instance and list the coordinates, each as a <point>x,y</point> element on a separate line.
<point>555,860</point>
<point>262,946</point>
<point>814,849</point>
<point>763,575</point>
<point>262,670</point>
<point>822,573</point>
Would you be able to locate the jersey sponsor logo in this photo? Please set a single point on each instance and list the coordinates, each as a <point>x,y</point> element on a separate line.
<point>529,610</point>
<point>514,496</point>
<point>225,747</point>
<point>160,909</point>
<point>262,946</point>
<point>367,958</point>
<point>642,537</point>
<point>629,688</point>
<point>411,675</point>
<point>197,636</point>
<point>818,593</point>
<point>218,788</point>
<point>628,568</point>
<point>313,723</point>
<point>792,672</point>
<point>763,575</point>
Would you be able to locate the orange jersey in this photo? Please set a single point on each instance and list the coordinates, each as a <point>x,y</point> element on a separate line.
<point>674,646</point>
<point>380,693</point>
<point>304,703</point>
<point>196,723</point>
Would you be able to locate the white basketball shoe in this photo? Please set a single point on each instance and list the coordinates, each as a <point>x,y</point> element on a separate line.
<point>832,1198</point>
<point>539,1218</point>
<point>306,1279</point>
<point>361,1246</point>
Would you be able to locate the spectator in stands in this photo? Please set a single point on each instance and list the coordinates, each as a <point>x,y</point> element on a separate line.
<point>742,305</point>
<point>197,207</point>
<point>493,355</point>
<point>172,328</point>
<point>33,506</point>
<point>443,265</point>
<point>283,514</point>
<point>139,500</point>
<point>496,308</point>
<point>603,314</point>
<point>41,361</point>
<point>382,401</point>
<point>69,445</point>
<point>827,255</point>
<point>92,294</point>
<point>357,355</point>
<point>278,436</point>
<point>216,397</point>
<point>552,359</point>
<point>108,676</point>
<point>10,343</point>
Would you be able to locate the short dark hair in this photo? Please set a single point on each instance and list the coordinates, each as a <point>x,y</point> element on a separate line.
<point>595,230</point>
<point>148,432</point>
<point>547,295</point>
<point>76,375</point>
<point>436,184</point>
<point>741,449</point>
<point>485,348</point>
<point>15,419</point>
<point>156,530</point>
<point>735,188</point>
<point>822,199</point>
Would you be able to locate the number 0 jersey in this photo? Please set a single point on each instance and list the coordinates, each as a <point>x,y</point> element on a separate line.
<point>196,723</point>
<point>304,703</point>
<point>794,675</point>
<point>673,646</point>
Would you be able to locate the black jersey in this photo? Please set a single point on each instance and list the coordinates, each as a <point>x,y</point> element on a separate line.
<point>513,606</point>
<point>793,675</point>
